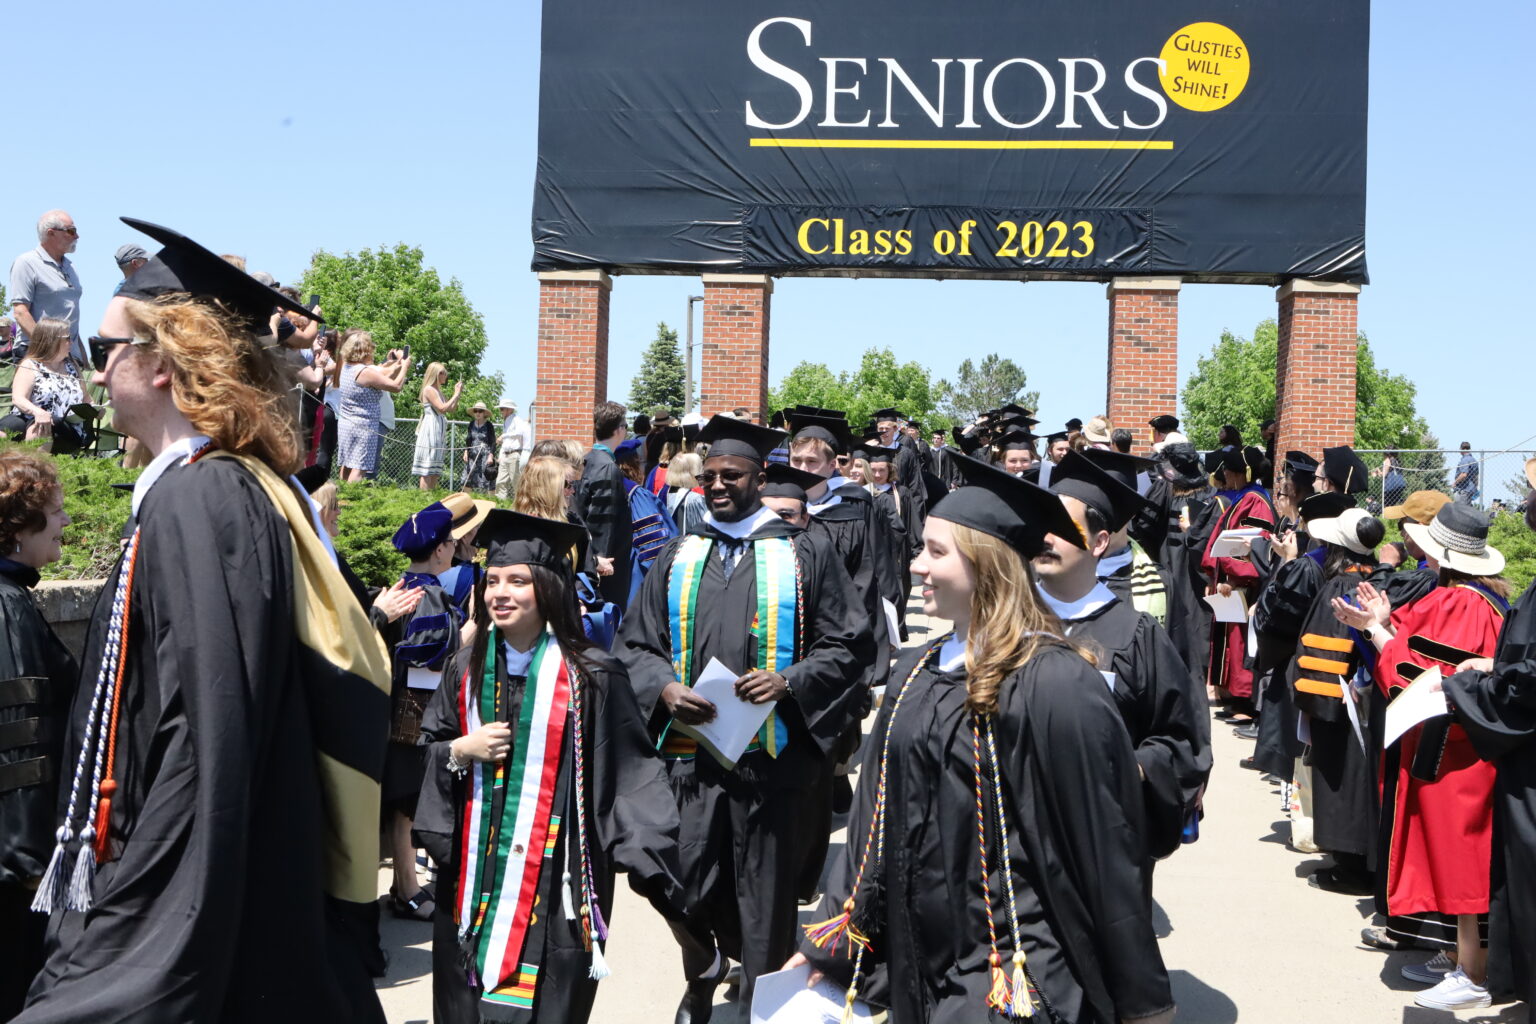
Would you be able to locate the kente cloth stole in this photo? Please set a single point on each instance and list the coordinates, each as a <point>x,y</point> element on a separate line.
<point>509,826</point>
<point>776,625</point>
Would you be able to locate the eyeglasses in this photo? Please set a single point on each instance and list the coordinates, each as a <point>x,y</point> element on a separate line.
<point>68,231</point>
<point>101,349</point>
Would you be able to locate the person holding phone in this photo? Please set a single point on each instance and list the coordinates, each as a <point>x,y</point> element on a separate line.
<point>362,384</point>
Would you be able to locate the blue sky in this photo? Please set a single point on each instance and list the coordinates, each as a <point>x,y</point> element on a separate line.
<point>275,130</point>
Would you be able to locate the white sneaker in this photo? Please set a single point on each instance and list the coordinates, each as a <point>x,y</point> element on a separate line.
<point>1456,991</point>
<point>1430,972</point>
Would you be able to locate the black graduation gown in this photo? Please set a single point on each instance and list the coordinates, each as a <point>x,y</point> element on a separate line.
<point>1189,617</point>
<point>37,683</point>
<point>745,832</point>
<point>631,822</point>
<point>1282,607</point>
<point>603,506</point>
<point>1075,825</point>
<point>909,473</point>
<point>217,787</point>
<point>1163,706</point>
<point>1498,711</point>
<point>1344,796</point>
<point>860,536</point>
<point>906,537</point>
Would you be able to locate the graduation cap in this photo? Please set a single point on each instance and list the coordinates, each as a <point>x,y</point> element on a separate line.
<point>831,429</point>
<point>1014,441</point>
<point>1182,465</point>
<point>1164,424</point>
<point>672,435</point>
<point>876,453</point>
<point>1001,505</point>
<point>1341,466</point>
<point>785,481</point>
<point>1014,409</point>
<point>882,415</point>
<point>691,433</point>
<point>1327,505</point>
<point>629,447</point>
<point>1301,464</point>
<point>1080,477</point>
<point>511,538</point>
<point>740,438</point>
<point>1074,424</point>
<point>777,420</point>
<point>1060,435</point>
<point>424,530</point>
<point>967,441</point>
<point>1228,458</point>
<point>185,266</point>
<point>1123,466</point>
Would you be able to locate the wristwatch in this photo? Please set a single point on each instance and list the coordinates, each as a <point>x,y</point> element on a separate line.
<point>1366,632</point>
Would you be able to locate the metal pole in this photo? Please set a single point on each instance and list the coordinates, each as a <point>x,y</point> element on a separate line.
<point>688,358</point>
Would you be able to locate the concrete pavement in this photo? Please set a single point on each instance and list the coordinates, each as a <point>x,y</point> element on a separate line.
<point>1243,935</point>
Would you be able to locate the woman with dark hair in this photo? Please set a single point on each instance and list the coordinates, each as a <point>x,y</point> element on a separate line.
<point>995,854</point>
<point>37,679</point>
<point>1229,437</point>
<point>541,785</point>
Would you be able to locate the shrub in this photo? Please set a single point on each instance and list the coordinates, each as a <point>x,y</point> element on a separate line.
<point>98,511</point>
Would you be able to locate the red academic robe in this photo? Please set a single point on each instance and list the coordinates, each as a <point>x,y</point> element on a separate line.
<point>1229,640</point>
<point>1441,829</point>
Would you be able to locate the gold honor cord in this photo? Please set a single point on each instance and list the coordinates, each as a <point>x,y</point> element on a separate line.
<point>963,143</point>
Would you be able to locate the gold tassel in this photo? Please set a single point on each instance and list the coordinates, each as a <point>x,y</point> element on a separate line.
<point>1023,1006</point>
<point>998,997</point>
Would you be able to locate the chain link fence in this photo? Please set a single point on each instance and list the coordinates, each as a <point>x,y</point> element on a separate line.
<point>1491,480</point>
<point>397,447</point>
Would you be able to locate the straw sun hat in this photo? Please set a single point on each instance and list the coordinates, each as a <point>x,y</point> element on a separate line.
<point>1457,538</point>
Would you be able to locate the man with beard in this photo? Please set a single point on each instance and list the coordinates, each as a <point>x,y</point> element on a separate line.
<point>747,590</point>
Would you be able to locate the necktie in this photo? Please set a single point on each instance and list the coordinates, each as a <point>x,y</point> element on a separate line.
<point>730,552</point>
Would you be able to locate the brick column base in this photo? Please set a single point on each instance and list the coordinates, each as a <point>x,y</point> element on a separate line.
<point>733,368</point>
<point>1143,353</point>
<point>1315,366</point>
<point>573,353</point>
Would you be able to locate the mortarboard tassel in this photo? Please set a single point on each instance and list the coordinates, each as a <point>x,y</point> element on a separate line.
<point>565,898</point>
<point>599,969</point>
<point>998,997</point>
<point>79,895</point>
<point>46,899</point>
<point>827,934</point>
<point>1022,1006</point>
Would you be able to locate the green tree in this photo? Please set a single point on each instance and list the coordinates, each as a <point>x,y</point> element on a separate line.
<point>996,381</point>
<point>661,377</point>
<point>809,384</point>
<point>390,293</point>
<point>881,382</point>
<point>1235,384</point>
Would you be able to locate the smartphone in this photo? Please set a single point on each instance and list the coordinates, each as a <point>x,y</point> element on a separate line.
<point>405,353</point>
<point>314,301</point>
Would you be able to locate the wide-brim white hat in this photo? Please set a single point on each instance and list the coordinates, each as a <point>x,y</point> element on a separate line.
<point>1457,538</point>
<point>1343,530</point>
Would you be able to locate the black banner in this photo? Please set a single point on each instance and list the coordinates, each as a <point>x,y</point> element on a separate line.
<point>1060,138</point>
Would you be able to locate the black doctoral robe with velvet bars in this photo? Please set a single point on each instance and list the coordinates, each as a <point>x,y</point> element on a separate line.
<point>744,831</point>
<point>631,824</point>
<point>212,905</point>
<point>1074,806</point>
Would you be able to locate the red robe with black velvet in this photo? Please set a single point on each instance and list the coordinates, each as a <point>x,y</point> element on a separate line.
<point>1441,798</point>
<point>1229,640</point>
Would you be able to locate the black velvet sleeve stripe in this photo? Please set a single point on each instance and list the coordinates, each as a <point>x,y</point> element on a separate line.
<point>338,701</point>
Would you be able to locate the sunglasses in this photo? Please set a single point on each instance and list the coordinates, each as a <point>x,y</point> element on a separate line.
<point>101,349</point>
<point>67,231</point>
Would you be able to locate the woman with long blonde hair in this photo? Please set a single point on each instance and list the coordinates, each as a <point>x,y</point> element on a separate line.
<point>995,851</point>
<point>360,383</point>
<point>432,428</point>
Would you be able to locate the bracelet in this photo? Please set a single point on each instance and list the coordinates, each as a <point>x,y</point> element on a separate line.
<point>455,766</point>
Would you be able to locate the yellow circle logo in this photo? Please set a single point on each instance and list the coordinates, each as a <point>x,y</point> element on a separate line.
<point>1205,66</point>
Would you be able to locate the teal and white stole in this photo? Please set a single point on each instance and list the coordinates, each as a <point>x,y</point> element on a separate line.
<point>776,624</point>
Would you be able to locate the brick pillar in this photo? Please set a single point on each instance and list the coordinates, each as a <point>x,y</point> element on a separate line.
<point>1143,353</point>
<point>733,369</point>
<point>1315,366</point>
<point>573,352</point>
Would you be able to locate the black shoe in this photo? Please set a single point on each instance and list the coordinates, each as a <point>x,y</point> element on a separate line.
<point>699,998</point>
<point>1377,938</point>
<point>1249,763</point>
<point>1344,883</point>
<point>1247,731</point>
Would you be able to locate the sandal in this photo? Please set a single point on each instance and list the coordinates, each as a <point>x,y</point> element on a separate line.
<point>418,908</point>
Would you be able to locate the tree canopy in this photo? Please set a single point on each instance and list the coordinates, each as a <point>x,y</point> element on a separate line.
<point>880,382</point>
<point>1235,383</point>
<point>660,380</point>
<point>390,293</point>
<point>996,381</point>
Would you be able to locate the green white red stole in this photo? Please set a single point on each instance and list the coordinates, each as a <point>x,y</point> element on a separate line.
<point>511,832</point>
<point>776,625</point>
